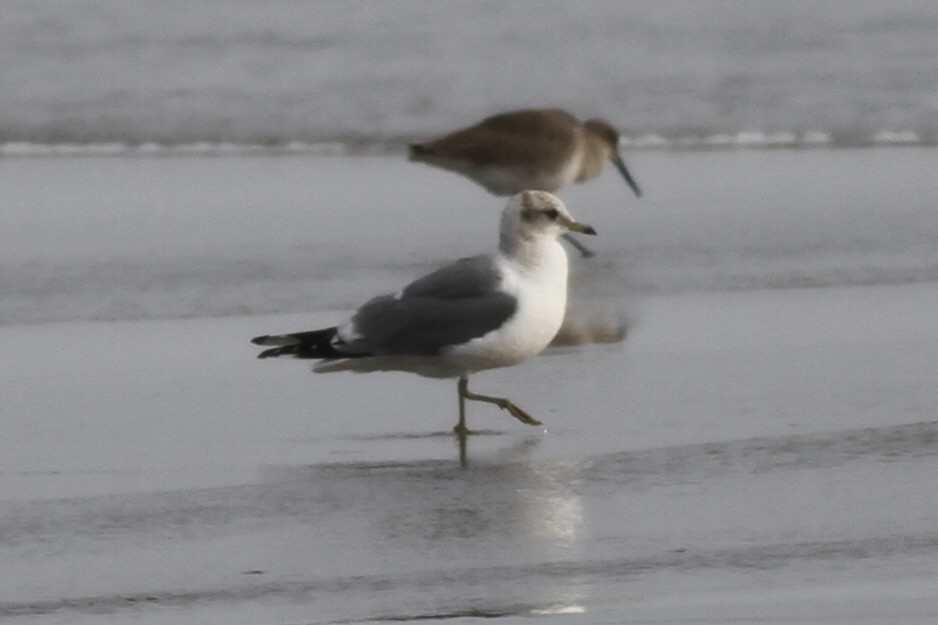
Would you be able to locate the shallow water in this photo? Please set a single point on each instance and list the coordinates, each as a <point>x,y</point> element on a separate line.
<point>217,76</point>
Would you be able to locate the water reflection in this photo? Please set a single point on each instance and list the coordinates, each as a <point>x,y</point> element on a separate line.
<point>497,532</point>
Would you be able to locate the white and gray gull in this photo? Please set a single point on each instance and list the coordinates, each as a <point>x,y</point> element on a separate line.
<point>474,314</point>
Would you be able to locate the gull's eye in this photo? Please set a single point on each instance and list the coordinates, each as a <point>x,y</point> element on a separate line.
<point>552,213</point>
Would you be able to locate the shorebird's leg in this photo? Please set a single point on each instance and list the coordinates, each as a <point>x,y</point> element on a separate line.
<point>502,402</point>
<point>584,251</point>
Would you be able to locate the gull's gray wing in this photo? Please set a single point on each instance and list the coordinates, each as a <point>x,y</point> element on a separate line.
<point>450,306</point>
<point>466,278</point>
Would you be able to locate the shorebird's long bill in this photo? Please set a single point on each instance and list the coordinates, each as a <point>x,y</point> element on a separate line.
<point>575,226</point>
<point>620,165</point>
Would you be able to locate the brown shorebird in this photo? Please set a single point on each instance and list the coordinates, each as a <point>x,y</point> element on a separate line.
<point>543,149</point>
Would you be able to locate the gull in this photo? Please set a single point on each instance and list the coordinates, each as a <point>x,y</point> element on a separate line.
<point>542,149</point>
<point>474,314</point>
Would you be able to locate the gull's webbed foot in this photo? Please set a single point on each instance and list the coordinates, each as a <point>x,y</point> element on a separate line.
<point>518,412</point>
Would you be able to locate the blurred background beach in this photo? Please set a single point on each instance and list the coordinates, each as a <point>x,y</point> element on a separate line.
<point>178,177</point>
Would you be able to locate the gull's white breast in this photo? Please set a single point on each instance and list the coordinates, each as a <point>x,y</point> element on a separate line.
<point>541,292</point>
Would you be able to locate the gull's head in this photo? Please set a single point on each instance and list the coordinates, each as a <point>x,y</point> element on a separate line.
<point>536,214</point>
<point>607,135</point>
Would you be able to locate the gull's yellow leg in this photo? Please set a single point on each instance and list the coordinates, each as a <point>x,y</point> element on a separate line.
<point>502,402</point>
<point>461,428</point>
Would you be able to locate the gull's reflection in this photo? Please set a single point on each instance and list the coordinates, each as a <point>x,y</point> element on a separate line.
<point>499,527</point>
<point>548,509</point>
<point>505,535</point>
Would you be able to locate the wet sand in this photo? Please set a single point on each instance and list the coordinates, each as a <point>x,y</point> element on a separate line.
<point>747,453</point>
<point>762,456</point>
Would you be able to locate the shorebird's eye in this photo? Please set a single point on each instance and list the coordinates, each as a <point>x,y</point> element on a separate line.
<point>552,213</point>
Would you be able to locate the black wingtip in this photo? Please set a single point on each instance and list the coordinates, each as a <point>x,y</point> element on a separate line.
<point>312,344</point>
<point>420,149</point>
<point>273,352</point>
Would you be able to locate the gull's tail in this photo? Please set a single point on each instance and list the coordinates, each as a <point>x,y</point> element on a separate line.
<point>314,344</point>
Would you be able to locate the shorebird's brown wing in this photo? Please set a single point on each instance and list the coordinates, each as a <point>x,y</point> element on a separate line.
<point>530,138</point>
<point>531,123</point>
